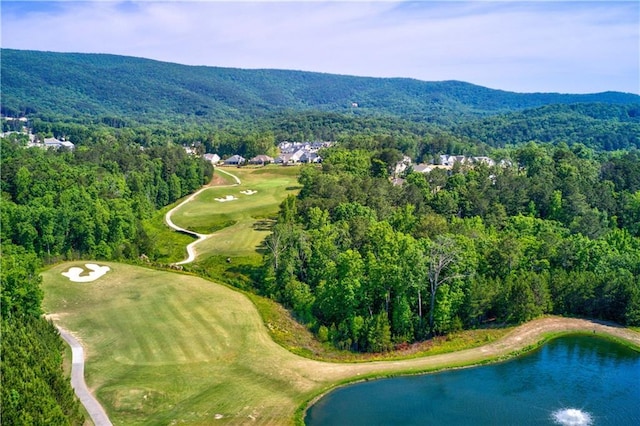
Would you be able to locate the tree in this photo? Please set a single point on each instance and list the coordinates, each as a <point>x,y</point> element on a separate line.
<point>277,242</point>
<point>23,185</point>
<point>379,333</point>
<point>443,254</point>
<point>19,282</point>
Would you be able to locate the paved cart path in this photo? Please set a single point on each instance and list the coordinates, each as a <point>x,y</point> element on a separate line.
<point>191,248</point>
<point>91,404</point>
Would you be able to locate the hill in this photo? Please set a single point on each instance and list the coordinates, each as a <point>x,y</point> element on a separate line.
<point>73,84</point>
<point>600,126</point>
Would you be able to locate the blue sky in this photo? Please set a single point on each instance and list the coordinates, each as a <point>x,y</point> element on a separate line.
<point>537,46</point>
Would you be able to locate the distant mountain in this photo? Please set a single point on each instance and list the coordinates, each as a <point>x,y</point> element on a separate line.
<point>75,84</point>
<point>597,125</point>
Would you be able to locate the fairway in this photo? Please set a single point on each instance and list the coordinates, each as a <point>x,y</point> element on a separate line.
<point>234,220</point>
<point>169,348</point>
<point>163,346</point>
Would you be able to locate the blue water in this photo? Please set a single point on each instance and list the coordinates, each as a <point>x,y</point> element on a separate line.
<point>597,378</point>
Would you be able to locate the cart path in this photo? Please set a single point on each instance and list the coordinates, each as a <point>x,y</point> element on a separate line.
<point>91,404</point>
<point>521,337</point>
<point>191,250</point>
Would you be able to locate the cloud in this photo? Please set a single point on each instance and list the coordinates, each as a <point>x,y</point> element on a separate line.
<point>533,46</point>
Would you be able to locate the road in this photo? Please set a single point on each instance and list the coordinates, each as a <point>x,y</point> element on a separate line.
<point>91,404</point>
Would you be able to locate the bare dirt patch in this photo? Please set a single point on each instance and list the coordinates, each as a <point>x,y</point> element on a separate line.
<point>217,180</point>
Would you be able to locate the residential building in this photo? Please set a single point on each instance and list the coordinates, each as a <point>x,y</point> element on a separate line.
<point>235,160</point>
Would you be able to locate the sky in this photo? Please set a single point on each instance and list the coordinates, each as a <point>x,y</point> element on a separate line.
<point>537,46</point>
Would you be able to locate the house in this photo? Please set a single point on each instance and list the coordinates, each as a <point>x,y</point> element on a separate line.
<point>56,144</point>
<point>450,160</point>
<point>261,159</point>
<point>485,160</point>
<point>402,165</point>
<point>310,157</point>
<point>428,168</point>
<point>212,158</point>
<point>295,158</point>
<point>235,160</point>
<point>283,159</point>
<point>422,168</point>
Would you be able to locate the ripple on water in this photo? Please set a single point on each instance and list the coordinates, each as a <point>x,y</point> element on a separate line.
<point>572,417</point>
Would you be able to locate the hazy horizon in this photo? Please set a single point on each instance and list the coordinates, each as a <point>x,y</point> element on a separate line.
<point>539,46</point>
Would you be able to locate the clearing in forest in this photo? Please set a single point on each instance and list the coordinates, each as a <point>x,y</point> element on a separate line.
<point>236,222</point>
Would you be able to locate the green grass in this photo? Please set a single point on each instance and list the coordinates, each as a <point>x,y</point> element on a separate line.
<point>170,246</point>
<point>163,346</point>
<point>170,348</point>
<point>240,225</point>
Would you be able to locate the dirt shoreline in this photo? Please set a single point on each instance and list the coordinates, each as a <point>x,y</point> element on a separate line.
<point>526,336</point>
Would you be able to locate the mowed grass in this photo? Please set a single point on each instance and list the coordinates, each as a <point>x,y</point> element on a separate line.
<point>242,224</point>
<point>167,348</point>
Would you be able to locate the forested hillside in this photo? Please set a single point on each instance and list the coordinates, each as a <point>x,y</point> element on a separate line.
<point>141,89</point>
<point>598,125</point>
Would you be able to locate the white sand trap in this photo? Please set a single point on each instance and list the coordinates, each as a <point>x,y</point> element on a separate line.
<point>248,192</point>
<point>227,198</point>
<point>75,273</point>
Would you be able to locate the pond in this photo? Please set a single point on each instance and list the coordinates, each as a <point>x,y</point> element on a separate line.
<point>573,380</point>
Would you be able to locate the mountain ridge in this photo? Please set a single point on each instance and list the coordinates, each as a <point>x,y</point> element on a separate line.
<point>80,84</point>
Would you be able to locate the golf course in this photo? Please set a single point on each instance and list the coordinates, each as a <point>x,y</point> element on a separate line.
<point>168,347</point>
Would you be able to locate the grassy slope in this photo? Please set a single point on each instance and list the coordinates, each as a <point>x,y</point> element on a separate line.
<point>170,245</point>
<point>164,346</point>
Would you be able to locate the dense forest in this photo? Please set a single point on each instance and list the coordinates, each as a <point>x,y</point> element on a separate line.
<point>96,85</point>
<point>368,265</point>
<point>58,205</point>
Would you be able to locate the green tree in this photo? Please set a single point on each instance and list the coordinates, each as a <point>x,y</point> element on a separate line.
<point>443,253</point>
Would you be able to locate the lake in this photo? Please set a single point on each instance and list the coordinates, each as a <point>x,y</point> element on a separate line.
<point>573,380</point>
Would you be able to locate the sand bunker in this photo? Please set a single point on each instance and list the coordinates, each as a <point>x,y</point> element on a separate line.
<point>248,192</point>
<point>75,273</point>
<point>227,198</point>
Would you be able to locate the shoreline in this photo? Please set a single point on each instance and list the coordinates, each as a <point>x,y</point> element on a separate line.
<point>541,335</point>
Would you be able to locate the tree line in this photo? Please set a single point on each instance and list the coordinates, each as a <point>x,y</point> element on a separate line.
<point>368,265</point>
<point>91,201</point>
<point>34,389</point>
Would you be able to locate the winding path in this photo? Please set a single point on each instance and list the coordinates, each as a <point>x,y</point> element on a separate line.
<point>91,404</point>
<point>191,251</point>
